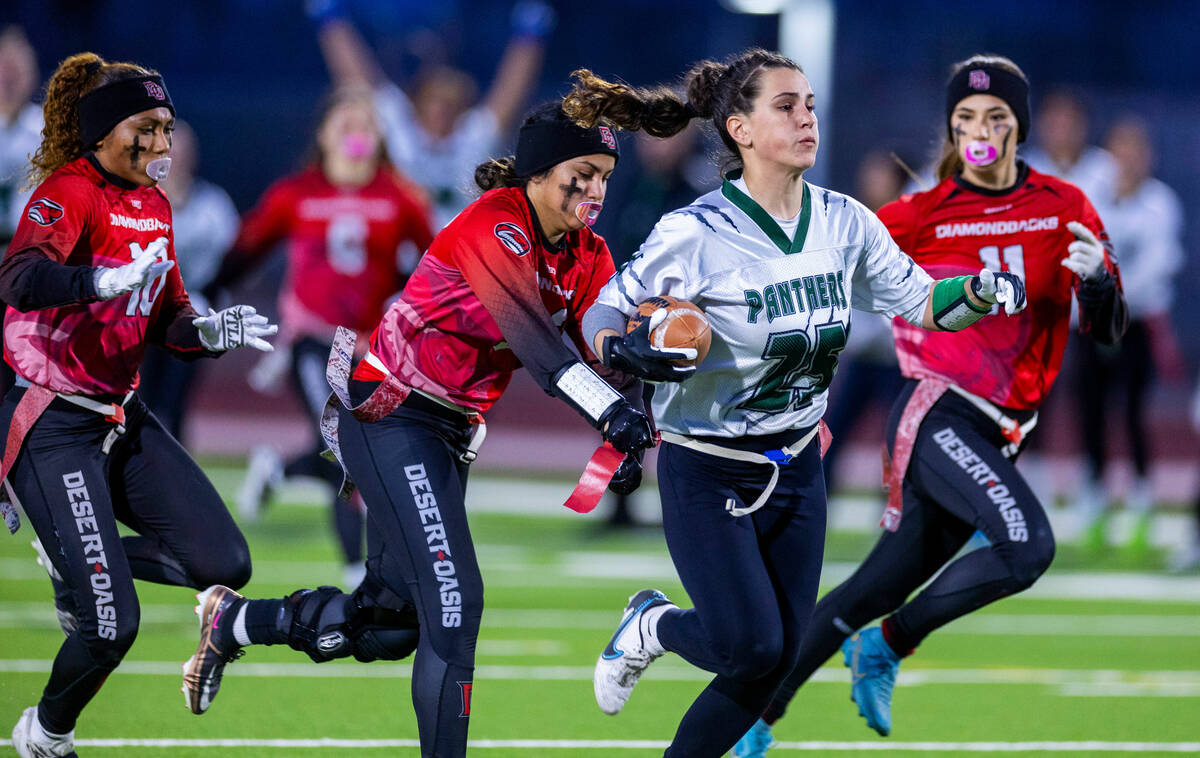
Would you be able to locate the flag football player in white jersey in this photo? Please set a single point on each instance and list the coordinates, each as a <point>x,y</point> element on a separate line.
<point>776,264</point>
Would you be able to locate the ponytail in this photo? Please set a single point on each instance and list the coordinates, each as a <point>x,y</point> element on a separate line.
<point>658,111</point>
<point>495,173</point>
<point>61,136</point>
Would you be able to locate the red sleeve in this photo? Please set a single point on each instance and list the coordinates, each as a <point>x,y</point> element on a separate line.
<point>263,225</point>
<point>55,219</point>
<point>899,218</point>
<point>506,283</point>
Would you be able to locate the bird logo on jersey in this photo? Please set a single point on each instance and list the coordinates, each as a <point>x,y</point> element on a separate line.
<point>44,211</point>
<point>513,237</point>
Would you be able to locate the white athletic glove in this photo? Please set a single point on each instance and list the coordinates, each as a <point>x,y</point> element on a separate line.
<point>233,327</point>
<point>1000,287</point>
<point>1086,254</point>
<point>145,268</point>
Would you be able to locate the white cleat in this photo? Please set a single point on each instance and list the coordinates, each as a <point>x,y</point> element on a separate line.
<point>31,741</point>
<point>630,650</point>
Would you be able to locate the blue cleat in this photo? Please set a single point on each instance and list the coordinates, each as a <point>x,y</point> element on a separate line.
<point>754,743</point>
<point>873,666</point>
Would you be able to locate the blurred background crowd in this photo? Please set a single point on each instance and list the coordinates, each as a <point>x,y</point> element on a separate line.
<point>438,87</point>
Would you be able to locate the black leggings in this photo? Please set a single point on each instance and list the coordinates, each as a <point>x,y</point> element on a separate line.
<point>752,580</point>
<point>74,496</point>
<point>408,468</point>
<point>1128,366</point>
<point>957,482</point>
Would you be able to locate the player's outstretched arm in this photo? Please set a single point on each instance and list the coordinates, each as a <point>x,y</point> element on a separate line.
<point>521,64</point>
<point>347,55</point>
<point>957,302</point>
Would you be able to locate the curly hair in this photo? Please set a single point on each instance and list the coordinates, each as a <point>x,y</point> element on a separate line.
<point>74,77</point>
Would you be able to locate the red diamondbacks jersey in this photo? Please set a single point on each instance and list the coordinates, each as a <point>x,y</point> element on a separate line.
<point>487,298</point>
<point>957,229</point>
<point>341,246</point>
<point>78,218</point>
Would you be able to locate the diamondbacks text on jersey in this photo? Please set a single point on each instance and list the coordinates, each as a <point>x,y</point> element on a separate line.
<point>955,229</point>
<point>779,307</point>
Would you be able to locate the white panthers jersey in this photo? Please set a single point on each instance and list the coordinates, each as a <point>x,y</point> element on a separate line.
<point>779,307</point>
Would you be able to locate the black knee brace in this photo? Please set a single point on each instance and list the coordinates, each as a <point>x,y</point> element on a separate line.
<point>315,623</point>
<point>378,632</point>
<point>326,624</point>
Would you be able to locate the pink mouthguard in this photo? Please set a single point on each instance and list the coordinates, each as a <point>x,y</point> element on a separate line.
<point>588,212</point>
<point>979,153</point>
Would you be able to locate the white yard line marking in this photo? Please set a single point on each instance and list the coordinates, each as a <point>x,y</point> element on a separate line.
<point>1068,682</point>
<point>939,747</point>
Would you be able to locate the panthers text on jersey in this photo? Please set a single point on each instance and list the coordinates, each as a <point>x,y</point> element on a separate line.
<point>957,228</point>
<point>78,217</point>
<point>779,307</point>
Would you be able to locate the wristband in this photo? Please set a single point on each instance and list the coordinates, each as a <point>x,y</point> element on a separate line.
<point>952,309</point>
<point>584,390</point>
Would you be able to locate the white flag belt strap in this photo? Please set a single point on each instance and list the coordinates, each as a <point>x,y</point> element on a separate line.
<point>1013,431</point>
<point>113,412</point>
<point>771,458</point>
<point>475,418</point>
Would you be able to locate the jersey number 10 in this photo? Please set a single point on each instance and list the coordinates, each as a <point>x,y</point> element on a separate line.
<point>141,299</point>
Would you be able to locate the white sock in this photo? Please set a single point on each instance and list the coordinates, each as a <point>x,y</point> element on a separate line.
<point>649,623</point>
<point>37,730</point>
<point>239,626</point>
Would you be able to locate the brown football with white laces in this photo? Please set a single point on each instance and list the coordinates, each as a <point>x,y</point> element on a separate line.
<point>685,325</point>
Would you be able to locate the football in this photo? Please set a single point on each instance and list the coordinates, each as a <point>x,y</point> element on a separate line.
<point>685,325</point>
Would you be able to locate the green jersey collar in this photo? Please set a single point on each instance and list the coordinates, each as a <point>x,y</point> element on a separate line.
<point>746,204</point>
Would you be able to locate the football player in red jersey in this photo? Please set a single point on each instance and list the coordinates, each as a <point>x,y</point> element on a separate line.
<point>345,220</point>
<point>90,279</point>
<point>499,288</point>
<point>971,397</point>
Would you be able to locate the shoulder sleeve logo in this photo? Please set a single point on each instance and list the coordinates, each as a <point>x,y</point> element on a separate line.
<point>513,237</point>
<point>44,211</point>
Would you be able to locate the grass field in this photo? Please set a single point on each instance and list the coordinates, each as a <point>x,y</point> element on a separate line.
<point>1059,671</point>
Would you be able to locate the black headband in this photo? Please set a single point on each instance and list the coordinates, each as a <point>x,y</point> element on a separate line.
<point>991,80</point>
<point>105,107</point>
<point>543,144</point>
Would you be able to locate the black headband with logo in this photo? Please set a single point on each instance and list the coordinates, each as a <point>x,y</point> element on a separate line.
<point>105,107</point>
<point>543,144</point>
<point>991,80</point>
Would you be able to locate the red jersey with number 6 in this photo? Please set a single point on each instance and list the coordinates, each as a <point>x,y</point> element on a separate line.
<point>79,218</point>
<point>343,246</point>
<point>957,228</point>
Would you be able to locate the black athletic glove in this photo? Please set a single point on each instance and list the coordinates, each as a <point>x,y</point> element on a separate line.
<point>633,354</point>
<point>627,428</point>
<point>628,476</point>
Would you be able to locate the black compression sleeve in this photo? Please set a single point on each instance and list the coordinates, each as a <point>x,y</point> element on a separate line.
<point>30,281</point>
<point>1103,312</point>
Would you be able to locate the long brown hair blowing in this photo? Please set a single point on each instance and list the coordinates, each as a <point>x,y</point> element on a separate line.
<point>714,90</point>
<point>74,77</point>
<point>951,162</point>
